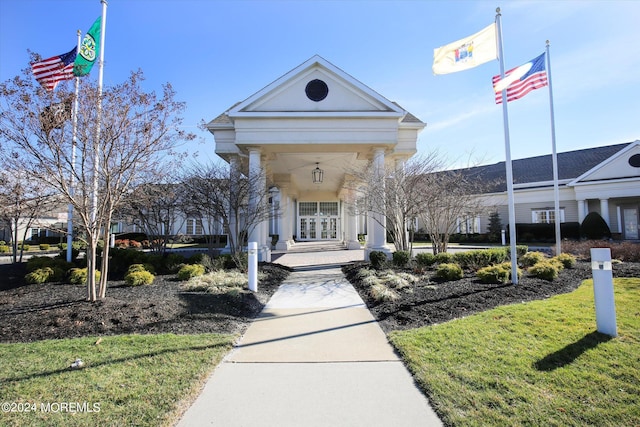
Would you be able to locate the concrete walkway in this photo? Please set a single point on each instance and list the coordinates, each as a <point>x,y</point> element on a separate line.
<point>314,357</point>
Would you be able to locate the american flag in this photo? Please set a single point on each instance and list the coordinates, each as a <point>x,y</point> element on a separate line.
<point>534,76</point>
<point>55,69</point>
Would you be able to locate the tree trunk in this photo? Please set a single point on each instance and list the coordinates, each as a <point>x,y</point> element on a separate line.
<point>104,270</point>
<point>91,268</point>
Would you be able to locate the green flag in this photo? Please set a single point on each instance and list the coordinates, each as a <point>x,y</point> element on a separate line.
<point>89,50</point>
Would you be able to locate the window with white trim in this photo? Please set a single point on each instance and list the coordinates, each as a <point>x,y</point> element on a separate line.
<point>546,216</point>
<point>468,225</point>
<point>194,226</point>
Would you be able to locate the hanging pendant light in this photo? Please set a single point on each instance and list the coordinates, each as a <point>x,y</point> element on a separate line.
<point>317,174</point>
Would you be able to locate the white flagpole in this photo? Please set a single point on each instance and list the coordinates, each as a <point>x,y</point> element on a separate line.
<point>96,143</point>
<point>74,141</point>
<point>96,150</point>
<point>556,192</point>
<point>507,149</point>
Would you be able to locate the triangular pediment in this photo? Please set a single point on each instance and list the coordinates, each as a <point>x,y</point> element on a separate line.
<point>622,165</point>
<point>316,88</point>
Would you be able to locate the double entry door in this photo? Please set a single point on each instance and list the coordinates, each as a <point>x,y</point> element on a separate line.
<point>318,221</point>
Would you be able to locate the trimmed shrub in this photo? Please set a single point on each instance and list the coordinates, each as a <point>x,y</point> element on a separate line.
<point>78,276</point>
<point>139,278</point>
<point>190,270</point>
<point>425,259</point>
<point>139,267</point>
<point>121,259</point>
<point>499,273</point>
<point>557,263</point>
<point>443,258</point>
<point>567,260</point>
<point>494,274</point>
<point>44,246</point>
<point>532,258</point>
<point>478,259</point>
<point>24,247</point>
<point>401,258</point>
<point>449,271</point>
<point>35,263</point>
<point>4,249</point>
<point>378,259</point>
<point>544,270</point>
<point>594,227</point>
<point>39,276</point>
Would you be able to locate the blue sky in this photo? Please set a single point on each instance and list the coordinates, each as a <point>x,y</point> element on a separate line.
<point>216,53</point>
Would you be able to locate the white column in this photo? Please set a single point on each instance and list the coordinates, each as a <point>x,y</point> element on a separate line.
<point>582,210</point>
<point>234,176</point>
<point>604,211</point>
<point>255,171</point>
<point>284,220</point>
<point>351,228</point>
<point>376,225</point>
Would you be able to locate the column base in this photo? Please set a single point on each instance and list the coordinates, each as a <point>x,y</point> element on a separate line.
<point>352,245</point>
<point>284,245</point>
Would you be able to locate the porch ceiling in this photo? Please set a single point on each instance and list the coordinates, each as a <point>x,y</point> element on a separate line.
<point>300,165</point>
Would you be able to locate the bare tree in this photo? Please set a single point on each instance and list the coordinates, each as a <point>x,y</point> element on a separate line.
<point>157,209</point>
<point>445,198</point>
<point>392,195</point>
<point>239,202</point>
<point>22,202</point>
<point>138,129</point>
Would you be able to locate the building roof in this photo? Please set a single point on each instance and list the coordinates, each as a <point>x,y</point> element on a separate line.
<point>571,165</point>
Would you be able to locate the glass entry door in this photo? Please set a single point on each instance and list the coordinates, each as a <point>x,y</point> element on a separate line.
<point>318,221</point>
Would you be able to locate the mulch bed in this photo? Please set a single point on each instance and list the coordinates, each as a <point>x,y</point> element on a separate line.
<point>50,311</point>
<point>37,312</point>
<point>430,302</point>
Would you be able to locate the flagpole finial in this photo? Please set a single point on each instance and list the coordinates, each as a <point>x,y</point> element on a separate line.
<point>548,43</point>
<point>498,10</point>
<point>79,33</point>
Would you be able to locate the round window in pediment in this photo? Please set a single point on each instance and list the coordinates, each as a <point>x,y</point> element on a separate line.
<point>635,160</point>
<point>316,90</point>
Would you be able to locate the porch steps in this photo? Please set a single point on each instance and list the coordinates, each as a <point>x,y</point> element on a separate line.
<point>319,246</point>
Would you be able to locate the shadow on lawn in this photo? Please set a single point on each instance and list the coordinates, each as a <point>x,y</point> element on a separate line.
<point>571,352</point>
<point>110,362</point>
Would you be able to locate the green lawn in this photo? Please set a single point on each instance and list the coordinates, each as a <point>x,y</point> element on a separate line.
<point>539,363</point>
<point>142,380</point>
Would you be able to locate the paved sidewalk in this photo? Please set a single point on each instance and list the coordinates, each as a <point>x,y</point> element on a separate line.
<point>314,357</point>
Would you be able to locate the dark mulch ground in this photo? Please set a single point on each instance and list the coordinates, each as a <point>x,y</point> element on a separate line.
<point>37,312</point>
<point>431,302</point>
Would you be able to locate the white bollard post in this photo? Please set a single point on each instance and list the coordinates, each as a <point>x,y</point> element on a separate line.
<point>504,238</point>
<point>603,291</point>
<point>253,266</point>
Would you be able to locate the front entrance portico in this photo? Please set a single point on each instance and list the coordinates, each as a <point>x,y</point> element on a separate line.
<point>315,116</point>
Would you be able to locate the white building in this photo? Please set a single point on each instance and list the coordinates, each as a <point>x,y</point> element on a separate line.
<point>315,116</point>
<point>605,180</point>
